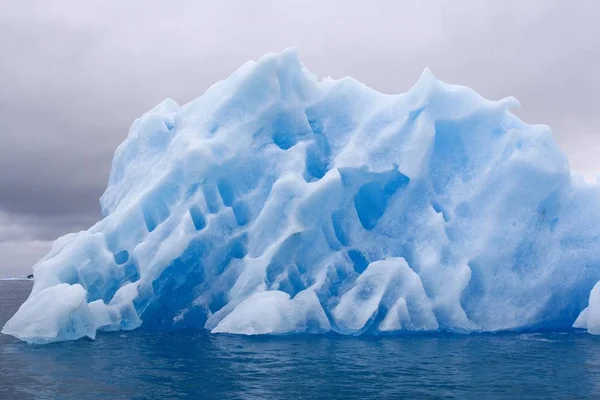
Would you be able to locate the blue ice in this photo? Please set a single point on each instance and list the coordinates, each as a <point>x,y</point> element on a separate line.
<point>279,203</point>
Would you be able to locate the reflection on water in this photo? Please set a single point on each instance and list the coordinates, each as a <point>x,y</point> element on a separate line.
<point>193,364</point>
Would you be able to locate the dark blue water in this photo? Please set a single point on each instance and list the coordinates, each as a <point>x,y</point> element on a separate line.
<point>196,365</point>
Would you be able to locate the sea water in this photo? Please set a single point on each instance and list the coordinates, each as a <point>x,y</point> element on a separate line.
<point>198,365</point>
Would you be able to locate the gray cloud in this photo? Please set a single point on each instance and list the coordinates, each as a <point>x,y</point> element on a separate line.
<point>74,75</point>
<point>25,238</point>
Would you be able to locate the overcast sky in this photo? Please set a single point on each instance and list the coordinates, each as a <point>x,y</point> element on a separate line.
<point>74,75</point>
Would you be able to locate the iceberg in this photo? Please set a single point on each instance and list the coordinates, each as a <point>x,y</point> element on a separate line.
<point>279,203</point>
<point>589,318</point>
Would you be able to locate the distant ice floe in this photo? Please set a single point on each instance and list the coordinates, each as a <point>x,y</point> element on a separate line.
<point>17,278</point>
